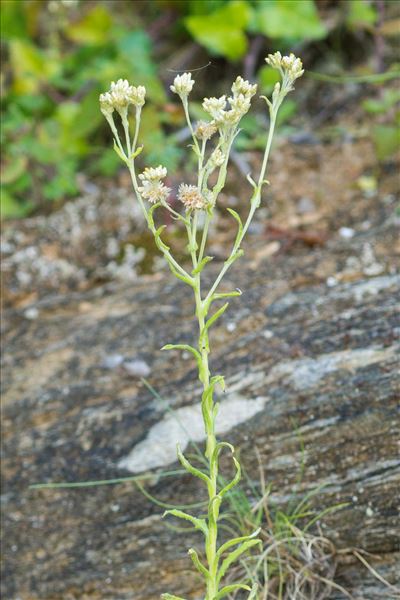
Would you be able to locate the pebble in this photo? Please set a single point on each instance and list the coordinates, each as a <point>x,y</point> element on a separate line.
<point>268,334</point>
<point>346,233</point>
<point>137,368</point>
<point>112,360</point>
<point>31,313</point>
<point>331,281</point>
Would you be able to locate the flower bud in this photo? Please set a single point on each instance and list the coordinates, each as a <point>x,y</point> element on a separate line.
<point>183,85</point>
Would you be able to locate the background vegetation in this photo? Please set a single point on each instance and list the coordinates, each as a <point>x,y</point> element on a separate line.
<point>59,55</point>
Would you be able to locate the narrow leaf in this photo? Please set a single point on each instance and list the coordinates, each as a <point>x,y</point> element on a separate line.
<point>197,563</point>
<point>118,151</point>
<point>222,295</point>
<point>234,481</point>
<point>186,464</point>
<point>202,264</point>
<point>218,449</point>
<point>231,588</point>
<point>235,256</point>
<point>150,214</point>
<point>184,347</point>
<point>197,523</point>
<point>178,275</point>
<point>233,556</point>
<point>237,540</point>
<point>136,152</point>
<point>216,316</point>
<point>237,219</point>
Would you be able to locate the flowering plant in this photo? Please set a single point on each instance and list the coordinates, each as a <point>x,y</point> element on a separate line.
<point>151,193</point>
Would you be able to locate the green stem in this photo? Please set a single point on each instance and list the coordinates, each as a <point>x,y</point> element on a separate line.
<point>152,228</point>
<point>255,201</point>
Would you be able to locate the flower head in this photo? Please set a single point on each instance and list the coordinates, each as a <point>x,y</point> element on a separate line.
<point>153,173</point>
<point>152,188</point>
<point>120,96</point>
<point>183,85</point>
<point>215,107</point>
<point>191,197</point>
<point>205,130</point>
<point>242,87</point>
<point>217,158</point>
<point>287,65</point>
<point>242,93</point>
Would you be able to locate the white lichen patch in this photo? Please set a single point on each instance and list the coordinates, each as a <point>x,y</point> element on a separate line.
<point>183,425</point>
<point>307,372</point>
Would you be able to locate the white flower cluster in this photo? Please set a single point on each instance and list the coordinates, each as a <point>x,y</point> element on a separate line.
<point>242,93</point>
<point>191,197</point>
<point>183,85</point>
<point>120,96</point>
<point>217,158</point>
<point>205,130</point>
<point>289,65</point>
<point>152,188</point>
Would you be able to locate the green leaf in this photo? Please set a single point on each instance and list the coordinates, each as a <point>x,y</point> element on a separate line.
<point>30,66</point>
<point>197,563</point>
<point>233,556</point>
<point>118,151</point>
<point>202,264</point>
<point>386,139</point>
<point>231,588</point>
<point>171,597</point>
<point>235,480</point>
<point>213,318</point>
<point>288,19</point>
<point>185,347</point>
<point>379,106</point>
<point>13,20</point>
<point>197,523</point>
<point>136,49</point>
<point>11,208</point>
<point>186,464</point>
<point>223,31</point>
<point>238,220</point>
<point>361,14</point>
<point>237,540</point>
<point>13,169</point>
<point>93,28</point>
<point>222,295</point>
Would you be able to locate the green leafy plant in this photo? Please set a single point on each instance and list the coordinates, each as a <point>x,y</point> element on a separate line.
<point>57,64</point>
<point>198,200</point>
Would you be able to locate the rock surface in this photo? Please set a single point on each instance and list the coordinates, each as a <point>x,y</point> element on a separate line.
<point>311,349</point>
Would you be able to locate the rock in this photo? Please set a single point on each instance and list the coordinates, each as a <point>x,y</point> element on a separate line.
<point>305,359</point>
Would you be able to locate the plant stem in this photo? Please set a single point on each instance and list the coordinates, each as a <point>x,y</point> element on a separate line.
<point>255,201</point>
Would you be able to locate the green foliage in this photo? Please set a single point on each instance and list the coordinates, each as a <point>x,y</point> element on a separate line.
<point>50,121</point>
<point>386,139</point>
<point>380,106</point>
<point>296,20</point>
<point>361,14</point>
<point>223,32</point>
<point>385,136</point>
<point>58,62</point>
